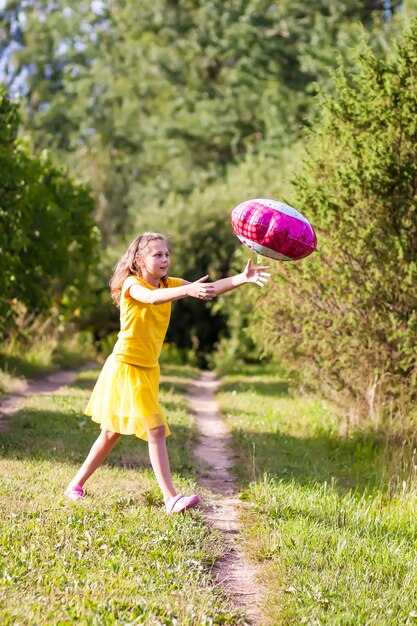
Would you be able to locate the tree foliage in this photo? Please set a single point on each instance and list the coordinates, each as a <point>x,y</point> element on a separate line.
<point>47,234</point>
<point>145,99</point>
<point>176,111</point>
<point>347,316</point>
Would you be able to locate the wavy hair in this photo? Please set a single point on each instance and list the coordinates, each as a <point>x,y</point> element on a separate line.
<point>129,264</point>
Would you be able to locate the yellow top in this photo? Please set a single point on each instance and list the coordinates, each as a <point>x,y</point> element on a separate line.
<point>142,326</point>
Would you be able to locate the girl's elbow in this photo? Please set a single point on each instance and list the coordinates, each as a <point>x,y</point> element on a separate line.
<point>156,299</point>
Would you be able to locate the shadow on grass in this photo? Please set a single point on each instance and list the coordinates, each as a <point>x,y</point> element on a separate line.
<point>356,463</point>
<point>278,389</point>
<point>68,436</point>
<point>86,381</point>
<point>364,461</point>
<point>361,462</point>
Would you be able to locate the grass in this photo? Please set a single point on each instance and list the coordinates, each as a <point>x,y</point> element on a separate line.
<point>117,558</point>
<point>331,517</point>
<point>42,355</point>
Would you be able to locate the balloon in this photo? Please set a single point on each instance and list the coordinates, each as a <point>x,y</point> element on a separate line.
<point>273,229</point>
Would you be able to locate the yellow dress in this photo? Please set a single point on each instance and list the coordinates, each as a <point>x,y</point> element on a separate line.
<point>125,397</point>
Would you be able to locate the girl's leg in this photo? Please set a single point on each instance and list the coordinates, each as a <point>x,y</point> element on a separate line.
<point>175,503</point>
<point>100,450</point>
<point>160,463</point>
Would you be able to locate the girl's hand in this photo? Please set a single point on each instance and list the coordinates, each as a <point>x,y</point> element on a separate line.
<point>201,290</point>
<point>256,274</point>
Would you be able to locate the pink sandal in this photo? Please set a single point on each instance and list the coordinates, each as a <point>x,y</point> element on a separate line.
<point>75,493</point>
<point>180,503</point>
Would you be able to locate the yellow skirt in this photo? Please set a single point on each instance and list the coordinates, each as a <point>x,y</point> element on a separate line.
<point>125,399</point>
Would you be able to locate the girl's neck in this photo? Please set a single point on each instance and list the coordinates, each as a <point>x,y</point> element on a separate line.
<point>152,280</point>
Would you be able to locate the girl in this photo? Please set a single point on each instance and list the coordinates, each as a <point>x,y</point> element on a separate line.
<point>124,400</point>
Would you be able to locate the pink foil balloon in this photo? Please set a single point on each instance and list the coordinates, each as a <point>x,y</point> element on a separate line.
<point>273,229</point>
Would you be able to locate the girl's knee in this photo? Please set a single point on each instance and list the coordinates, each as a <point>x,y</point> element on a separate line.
<point>156,434</point>
<point>109,435</point>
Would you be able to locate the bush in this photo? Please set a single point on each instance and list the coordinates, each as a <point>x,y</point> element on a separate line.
<point>47,235</point>
<point>348,315</point>
<point>202,241</point>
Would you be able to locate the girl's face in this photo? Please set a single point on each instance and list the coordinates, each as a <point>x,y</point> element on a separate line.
<point>154,261</point>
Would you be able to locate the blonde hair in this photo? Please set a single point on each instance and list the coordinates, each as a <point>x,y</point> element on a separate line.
<point>129,264</point>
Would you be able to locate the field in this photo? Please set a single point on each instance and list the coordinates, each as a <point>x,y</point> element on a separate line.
<point>329,515</point>
<point>117,558</point>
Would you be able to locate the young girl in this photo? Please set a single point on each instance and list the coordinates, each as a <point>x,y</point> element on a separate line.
<point>124,400</point>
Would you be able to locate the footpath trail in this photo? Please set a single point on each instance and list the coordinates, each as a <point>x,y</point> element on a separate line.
<point>12,403</point>
<point>214,453</point>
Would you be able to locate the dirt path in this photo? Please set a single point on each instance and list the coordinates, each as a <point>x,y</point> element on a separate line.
<point>12,403</point>
<point>214,454</point>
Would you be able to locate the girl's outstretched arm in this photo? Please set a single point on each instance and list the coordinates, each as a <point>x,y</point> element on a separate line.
<point>250,274</point>
<point>198,289</point>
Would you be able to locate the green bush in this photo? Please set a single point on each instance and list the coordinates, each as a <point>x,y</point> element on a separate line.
<point>347,316</point>
<point>48,239</point>
<point>202,242</point>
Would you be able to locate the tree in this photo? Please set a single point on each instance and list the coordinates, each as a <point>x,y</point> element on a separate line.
<point>346,317</point>
<point>144,99</point>
<point>47,235</point>
<point>150,101</point>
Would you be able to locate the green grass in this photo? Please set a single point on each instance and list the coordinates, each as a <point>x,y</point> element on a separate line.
<point>20,362</point>
<point>116,558</point>
<point>331,516</point>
